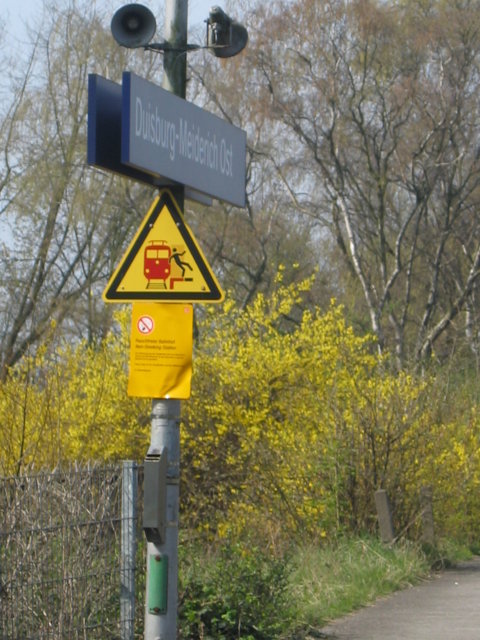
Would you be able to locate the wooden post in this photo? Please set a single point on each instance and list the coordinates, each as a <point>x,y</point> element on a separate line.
<point>385,523</point>
<point>426,505</point>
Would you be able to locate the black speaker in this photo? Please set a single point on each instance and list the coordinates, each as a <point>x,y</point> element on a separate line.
<point>133,26</point>
<point>225,37</point>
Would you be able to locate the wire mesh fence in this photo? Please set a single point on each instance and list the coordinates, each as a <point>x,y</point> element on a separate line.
<point>67,555</point>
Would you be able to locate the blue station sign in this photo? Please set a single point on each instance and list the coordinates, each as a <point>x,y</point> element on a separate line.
<point>167,136</point>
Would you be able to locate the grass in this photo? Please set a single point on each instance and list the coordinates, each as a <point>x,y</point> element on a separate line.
<point>331,581</point>
<point>240,592</point>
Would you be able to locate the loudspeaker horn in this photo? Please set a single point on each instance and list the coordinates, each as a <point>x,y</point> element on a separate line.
<point>133,26</point>
<point>225,37</point>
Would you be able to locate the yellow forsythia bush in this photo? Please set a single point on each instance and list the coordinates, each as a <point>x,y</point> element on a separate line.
<point>69,403</point>
<point>452,468</point>
<point>293,425</point>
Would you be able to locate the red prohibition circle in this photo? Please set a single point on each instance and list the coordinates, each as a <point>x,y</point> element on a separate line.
<point>145,325</point>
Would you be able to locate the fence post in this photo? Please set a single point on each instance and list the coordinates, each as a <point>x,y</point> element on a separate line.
<point>128,549</point>
<point>426,506</point>
<point>387,533</point>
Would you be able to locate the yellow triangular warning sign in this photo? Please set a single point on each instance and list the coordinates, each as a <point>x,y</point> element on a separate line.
<point>163,262</point>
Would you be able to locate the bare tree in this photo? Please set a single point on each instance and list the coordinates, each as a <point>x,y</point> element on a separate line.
<point>64,224</point>
<point>247,246</point>
<point>374,123</point>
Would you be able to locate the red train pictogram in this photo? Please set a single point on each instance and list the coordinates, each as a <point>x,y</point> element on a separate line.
<point>156,261</point>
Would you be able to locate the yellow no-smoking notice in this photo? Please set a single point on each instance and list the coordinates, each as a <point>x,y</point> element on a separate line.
<point>161,344</point>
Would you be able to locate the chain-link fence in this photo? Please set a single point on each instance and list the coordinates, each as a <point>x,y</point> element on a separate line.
<point>67,554</point>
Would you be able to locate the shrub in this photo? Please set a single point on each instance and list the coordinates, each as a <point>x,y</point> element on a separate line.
<point>236,592</point>
<point>293,426</point>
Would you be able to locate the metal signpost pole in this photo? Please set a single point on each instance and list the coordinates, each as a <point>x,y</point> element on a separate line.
<point>162,559</point>
<point>162,556</point>
<point>218,170</point>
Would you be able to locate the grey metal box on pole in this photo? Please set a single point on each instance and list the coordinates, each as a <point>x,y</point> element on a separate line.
<point>155,497</point>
